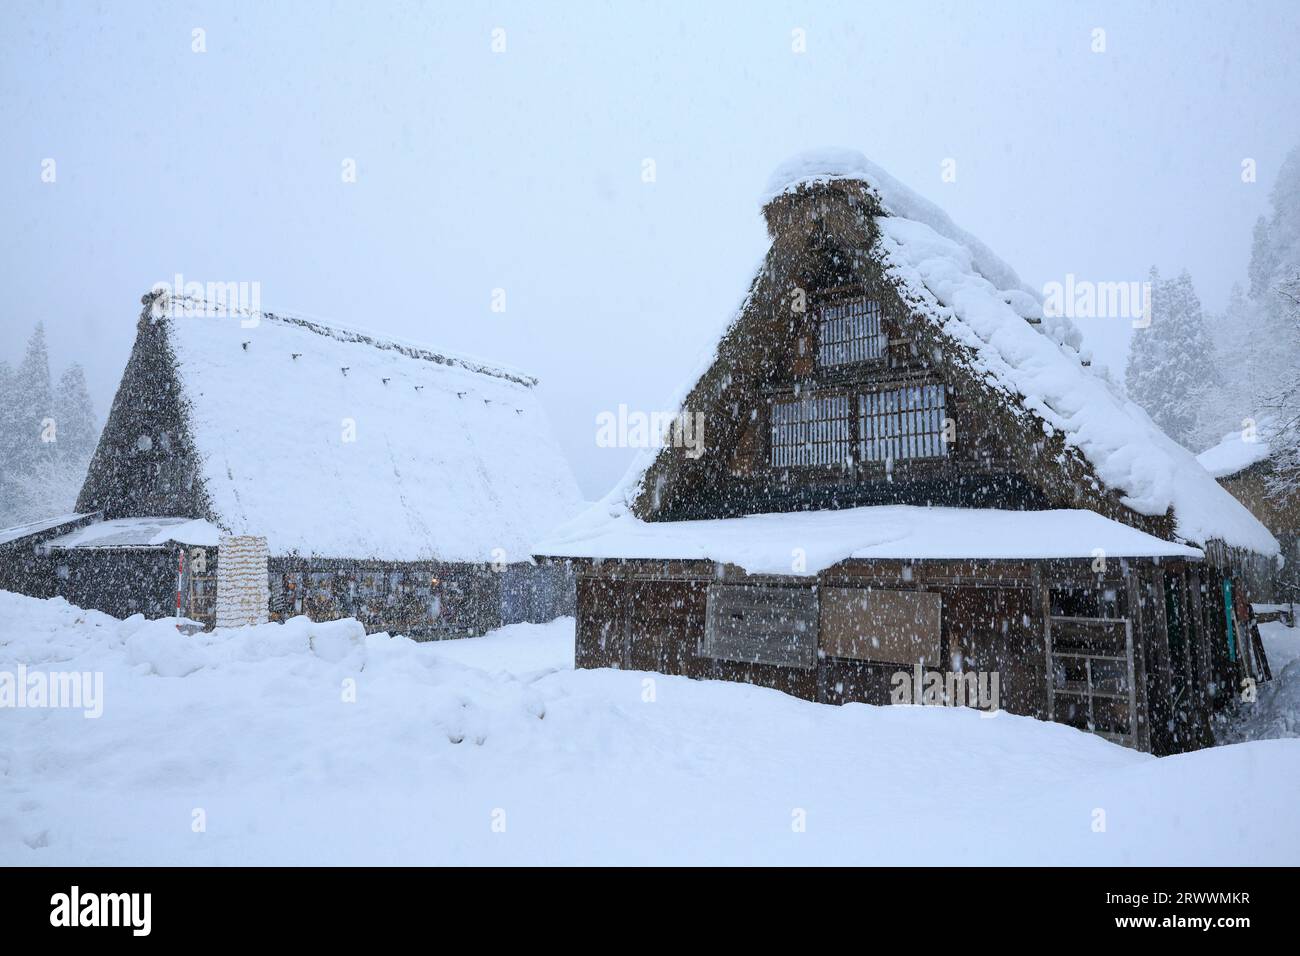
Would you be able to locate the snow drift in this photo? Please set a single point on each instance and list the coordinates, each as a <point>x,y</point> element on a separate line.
<point>314,744</point>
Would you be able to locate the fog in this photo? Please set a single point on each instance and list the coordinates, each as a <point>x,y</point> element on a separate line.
<point>523,170</point>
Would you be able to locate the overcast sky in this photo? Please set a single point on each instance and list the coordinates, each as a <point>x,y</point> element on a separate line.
<point>522,170</point>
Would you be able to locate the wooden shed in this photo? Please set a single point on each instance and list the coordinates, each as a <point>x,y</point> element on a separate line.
<point>911,475</point>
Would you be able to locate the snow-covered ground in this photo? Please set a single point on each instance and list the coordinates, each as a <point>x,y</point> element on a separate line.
<point>240,747</point>
<point>1276,711</point>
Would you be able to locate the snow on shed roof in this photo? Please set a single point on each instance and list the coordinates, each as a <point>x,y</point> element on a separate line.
<point>1235,453</point>
<point>36,527</point>
<point>980,303</point>
<point>338,443</point>
<point>763,544</point>
<point>139,533</point>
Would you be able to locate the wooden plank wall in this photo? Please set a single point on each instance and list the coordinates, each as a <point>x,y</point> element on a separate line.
<point>630,619</point>
<point>651,616</point>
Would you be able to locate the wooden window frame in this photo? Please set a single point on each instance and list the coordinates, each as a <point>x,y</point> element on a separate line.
<point>913,424</point>
<point>752,601</point>
<point>855,462</point>
<point>844,462</point>
<point>870,348</point>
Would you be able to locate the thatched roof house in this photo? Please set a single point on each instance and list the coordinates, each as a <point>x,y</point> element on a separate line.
<point>1241,463</point>
<point>388,480</point>
<point>888,373</point>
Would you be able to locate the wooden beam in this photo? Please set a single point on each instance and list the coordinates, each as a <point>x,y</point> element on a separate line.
<point>1161,670</point>
<point>1142,732</point>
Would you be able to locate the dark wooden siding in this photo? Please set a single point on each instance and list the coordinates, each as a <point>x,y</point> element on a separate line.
<point>145,462</point>
<point>649,615</point>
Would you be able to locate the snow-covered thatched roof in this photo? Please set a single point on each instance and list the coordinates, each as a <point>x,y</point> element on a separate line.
<point>994,325</point>
<point>339,443</point>
<point>1237,451</point>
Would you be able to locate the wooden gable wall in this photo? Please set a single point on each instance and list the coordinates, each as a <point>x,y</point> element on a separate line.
<point>997,454</point>
<point>145,463</point>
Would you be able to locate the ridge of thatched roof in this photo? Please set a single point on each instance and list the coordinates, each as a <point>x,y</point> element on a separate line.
<point>333,442</point>
<point>171,303</point>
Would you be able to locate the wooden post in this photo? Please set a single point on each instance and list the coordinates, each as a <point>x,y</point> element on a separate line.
<point>1203,674</point>
<point>1161,671</point>
<point>1044,592</point>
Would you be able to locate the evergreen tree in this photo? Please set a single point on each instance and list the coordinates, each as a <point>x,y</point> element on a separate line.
<point>46,437</point>
<point>1243,382</point>
<point>35,403</point>
<point>1275,292</point>
<point>9,438</point>
<point>1262,260</point>
<point>75,417</point>
<point>1283,402</point>
<point>1171,369</point>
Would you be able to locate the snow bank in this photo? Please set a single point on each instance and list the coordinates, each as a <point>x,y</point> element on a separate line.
<point>307,744</point>
<point>1276,710</point>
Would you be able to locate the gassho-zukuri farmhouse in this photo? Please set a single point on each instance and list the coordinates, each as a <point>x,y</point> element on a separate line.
<point>264,465</point>
<point>909,468</point>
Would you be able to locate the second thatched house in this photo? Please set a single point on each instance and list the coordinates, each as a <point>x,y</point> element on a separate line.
<point>910,477</point>
<point>340,473</point>
<point>1241,463</point>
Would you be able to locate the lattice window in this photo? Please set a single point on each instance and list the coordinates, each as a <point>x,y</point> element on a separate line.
<point>901,423</point>
<point>811,431</point>
<point>850,331</point>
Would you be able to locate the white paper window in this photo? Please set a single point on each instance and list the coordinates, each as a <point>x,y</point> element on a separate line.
<point>850,331</point>
<point>810,431</point>
<point>902,423</point>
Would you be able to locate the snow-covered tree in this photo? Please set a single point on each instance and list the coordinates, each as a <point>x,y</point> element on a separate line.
<point>9,440</point>
<point>75,415</point>
<point>30,407</point>
<point>35,397</point>
<point>1172,371</point>
<point>1263,260</point>
<point>1275,294</point>
<point>46,437</point>
<point>1283,402</point>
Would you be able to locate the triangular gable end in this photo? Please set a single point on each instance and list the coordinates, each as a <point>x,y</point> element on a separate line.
<point>844,381</point>
<point>146,463</point>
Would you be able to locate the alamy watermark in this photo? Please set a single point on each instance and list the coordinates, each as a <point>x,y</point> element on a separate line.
<point>1083,299</point>
<point>630,429</point>
<point>130,910</point>
<point>71,690</point>
<point>980,690</point>
<point>229,300</point>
